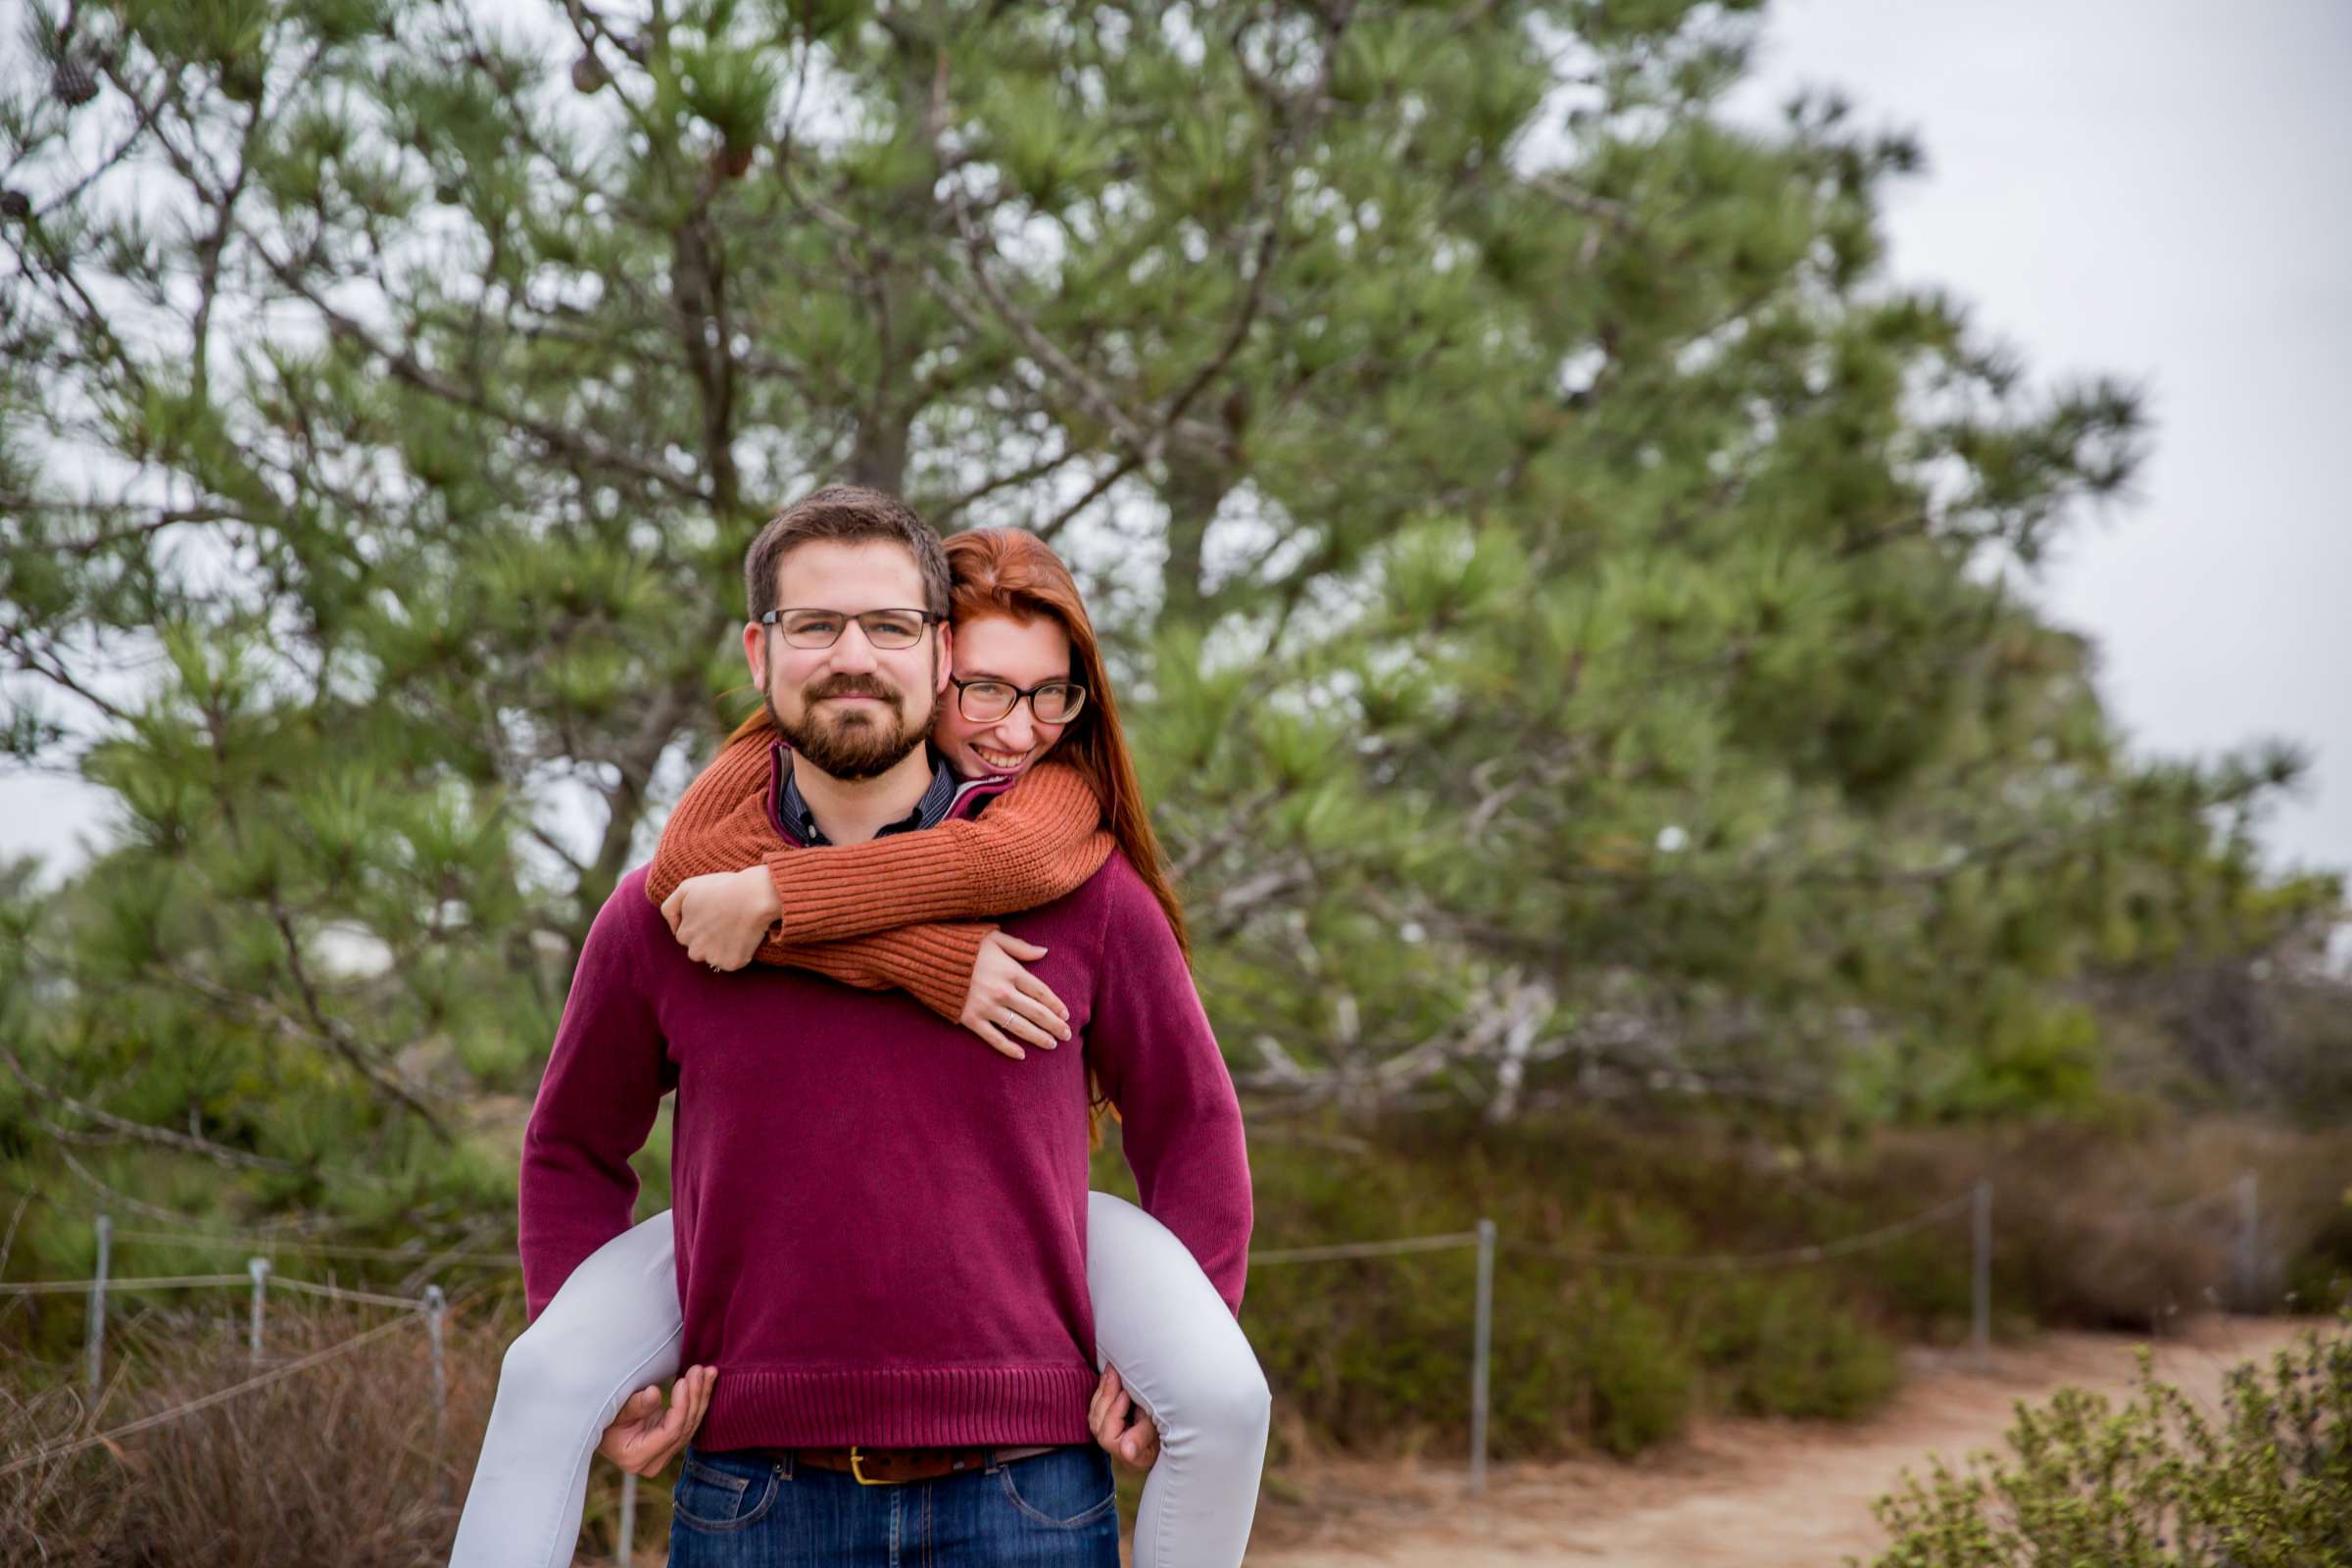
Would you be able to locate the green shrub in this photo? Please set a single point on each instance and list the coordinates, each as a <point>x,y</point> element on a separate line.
<point>2267,1483</point>
<point>2319,1276</point>
<point>1786,1344</point>
<point>1374,1355</point>
<point>1633,1380</point>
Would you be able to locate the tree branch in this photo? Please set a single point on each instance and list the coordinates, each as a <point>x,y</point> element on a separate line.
<point>139,1131</point>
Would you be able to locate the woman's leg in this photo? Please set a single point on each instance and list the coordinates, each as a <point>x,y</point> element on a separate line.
<point>1160,1321</point>
<point>613,1329</point>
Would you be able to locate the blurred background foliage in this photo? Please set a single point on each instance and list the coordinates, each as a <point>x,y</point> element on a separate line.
<point>1574,605</point>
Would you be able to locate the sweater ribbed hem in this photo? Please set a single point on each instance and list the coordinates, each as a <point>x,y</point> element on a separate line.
<point>927,1407</point>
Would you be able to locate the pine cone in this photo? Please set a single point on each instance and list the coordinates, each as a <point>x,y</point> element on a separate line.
<point>15,204</point>
<point>74,83</point>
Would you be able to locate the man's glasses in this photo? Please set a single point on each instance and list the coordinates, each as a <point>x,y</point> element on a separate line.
<point>1052,701</point>
<point>822,629</point>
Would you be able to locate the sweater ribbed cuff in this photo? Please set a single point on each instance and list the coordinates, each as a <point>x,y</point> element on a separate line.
<point>934,962</point>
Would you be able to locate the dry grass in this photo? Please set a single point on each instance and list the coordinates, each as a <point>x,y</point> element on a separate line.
<point>345,1462</point>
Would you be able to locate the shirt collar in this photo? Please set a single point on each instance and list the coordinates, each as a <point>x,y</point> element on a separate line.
<point>939,799</point>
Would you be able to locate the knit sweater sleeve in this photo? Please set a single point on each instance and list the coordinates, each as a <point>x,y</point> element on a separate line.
<point>722,822</point>
<point>596,1102</point>
<point>1040,840</point>
<point>931,962</point>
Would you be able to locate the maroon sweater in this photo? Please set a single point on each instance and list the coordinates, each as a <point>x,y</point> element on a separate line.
<point>881,1222</point>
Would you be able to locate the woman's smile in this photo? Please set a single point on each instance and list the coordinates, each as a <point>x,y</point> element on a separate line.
<point>1001,762</point>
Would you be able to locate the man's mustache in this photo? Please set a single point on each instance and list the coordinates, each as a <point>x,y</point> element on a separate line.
<point>851,686</point>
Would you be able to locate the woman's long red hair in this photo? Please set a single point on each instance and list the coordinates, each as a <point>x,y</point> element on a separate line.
<point>1010,572</point>
<point>1006,572</point>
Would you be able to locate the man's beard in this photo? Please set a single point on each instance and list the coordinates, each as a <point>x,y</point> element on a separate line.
<point>852,744</point>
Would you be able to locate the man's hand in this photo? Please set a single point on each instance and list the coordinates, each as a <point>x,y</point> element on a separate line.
<point>1135,1446</point>
<point>1005,999</point>
<point>644,1438</point>
<point>722,917</point>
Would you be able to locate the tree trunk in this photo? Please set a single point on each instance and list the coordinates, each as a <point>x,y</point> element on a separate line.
<point>1195,489</point>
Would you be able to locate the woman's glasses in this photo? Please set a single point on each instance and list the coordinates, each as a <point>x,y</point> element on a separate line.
<point>822,629</point>
<point>1052,701</point>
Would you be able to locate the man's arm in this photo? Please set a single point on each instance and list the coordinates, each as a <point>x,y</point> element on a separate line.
<point>603,1083</point>
<point>1181,1122</point>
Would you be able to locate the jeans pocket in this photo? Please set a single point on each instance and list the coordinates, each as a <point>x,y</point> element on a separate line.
<point>1066,1491</point>
<point>717,1499</point>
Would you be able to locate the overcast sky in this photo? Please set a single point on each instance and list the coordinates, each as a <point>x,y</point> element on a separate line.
<point>2160,189</point>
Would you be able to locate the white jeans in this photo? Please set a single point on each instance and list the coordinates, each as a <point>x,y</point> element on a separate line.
<point>615,1327</point>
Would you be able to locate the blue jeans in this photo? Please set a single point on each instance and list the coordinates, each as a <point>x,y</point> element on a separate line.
<point>1054,1510</point>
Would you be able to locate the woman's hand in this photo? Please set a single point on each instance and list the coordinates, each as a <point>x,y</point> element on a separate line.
<point>721,918</point>
<point>1006,999</point>
<point>1135,1446</point>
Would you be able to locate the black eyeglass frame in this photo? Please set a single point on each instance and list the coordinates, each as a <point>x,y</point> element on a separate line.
<point>775,619</point>
<point>1021,694</point>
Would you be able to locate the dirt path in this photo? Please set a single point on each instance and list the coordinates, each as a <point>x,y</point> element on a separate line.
<point>1752,1494</point>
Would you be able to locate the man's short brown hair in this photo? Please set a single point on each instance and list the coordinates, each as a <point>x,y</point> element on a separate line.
<point>844,514</point>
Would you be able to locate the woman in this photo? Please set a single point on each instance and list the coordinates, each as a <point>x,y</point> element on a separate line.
<point>1028,681</point>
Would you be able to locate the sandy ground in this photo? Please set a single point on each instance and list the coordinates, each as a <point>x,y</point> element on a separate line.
<point>1746,1493</point>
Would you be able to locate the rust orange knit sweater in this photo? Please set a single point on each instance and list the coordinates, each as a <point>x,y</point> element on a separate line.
<point>896,911</point>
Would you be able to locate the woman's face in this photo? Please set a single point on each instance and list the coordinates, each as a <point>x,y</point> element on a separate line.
<point>998,648</point>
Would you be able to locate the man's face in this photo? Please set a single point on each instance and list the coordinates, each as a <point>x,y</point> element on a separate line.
<point>852,710</point>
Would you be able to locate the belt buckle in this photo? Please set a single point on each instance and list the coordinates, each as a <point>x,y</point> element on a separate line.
<point>856,1460</point>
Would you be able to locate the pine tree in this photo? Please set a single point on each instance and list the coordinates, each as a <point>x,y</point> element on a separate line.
<point>1558,574</point>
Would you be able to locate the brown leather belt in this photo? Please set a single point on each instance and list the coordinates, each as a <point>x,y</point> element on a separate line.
<point>890,1467</point>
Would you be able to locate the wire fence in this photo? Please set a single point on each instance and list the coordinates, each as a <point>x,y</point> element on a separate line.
<point>1976,1202</point>
<point>1784,1257</point>
<point>376,1254</point>
<point>431,1307</point>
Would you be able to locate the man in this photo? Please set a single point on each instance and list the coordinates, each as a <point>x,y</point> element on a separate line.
<point>879,1227</point>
